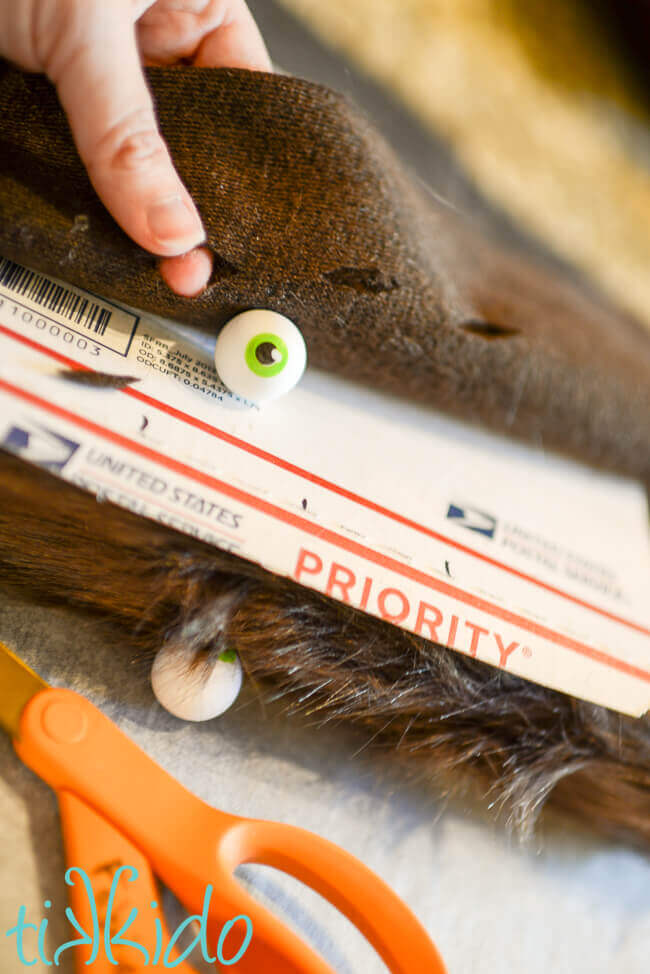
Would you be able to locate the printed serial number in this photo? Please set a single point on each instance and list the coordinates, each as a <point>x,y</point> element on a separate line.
<point>50,327</point>
<point>110,325</point>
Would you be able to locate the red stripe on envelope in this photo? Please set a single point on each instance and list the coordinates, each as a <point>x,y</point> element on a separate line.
<point>332,537</point>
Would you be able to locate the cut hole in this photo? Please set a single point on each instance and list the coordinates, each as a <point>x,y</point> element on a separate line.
<point>369,280</point>
<point>489,330</point>
<point>221,267</point>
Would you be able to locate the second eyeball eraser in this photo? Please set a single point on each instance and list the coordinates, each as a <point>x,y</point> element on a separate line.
<point>195,690</point>
<point>260,355</point>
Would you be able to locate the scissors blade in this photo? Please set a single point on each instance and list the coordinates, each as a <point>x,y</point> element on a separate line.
<point>18,684</point>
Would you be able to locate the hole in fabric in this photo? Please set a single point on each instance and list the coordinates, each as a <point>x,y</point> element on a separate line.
<point>221,267</point>
<point>489,330</point>
<point>369,280</point>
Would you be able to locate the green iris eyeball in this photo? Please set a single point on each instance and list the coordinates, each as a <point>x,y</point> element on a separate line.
<point>260,355</point>
<point>267,354</point>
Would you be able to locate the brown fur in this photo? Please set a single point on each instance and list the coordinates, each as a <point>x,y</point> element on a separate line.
<point>448,715</point>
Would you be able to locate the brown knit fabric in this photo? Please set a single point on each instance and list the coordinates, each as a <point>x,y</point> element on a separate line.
<point>309,213</point>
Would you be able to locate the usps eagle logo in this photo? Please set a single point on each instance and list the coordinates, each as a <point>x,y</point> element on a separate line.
<point>474,520</point>
<point>39,445</point>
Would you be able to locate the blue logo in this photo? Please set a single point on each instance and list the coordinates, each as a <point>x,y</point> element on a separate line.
<point>473,520</point>
<point>40,446</point>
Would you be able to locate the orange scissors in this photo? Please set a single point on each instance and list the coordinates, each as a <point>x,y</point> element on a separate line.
<point>120,809</point>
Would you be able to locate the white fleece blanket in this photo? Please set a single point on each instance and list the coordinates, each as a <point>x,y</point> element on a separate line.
<point>570,904</point>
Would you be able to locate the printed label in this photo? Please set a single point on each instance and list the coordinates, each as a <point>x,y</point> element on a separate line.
<point>44,304</point>
<point>526,561</point>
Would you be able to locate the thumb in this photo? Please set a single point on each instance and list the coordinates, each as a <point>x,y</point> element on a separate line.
<point>103,91</point>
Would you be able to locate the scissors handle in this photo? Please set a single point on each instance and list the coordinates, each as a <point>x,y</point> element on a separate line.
<point>110,886</point>
<point>358,893</point>
<point>77,750</point>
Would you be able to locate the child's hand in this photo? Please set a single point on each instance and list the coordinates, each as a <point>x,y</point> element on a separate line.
<point>93,51</point>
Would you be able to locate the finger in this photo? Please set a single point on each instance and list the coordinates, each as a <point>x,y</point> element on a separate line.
<point>238,44</point>
<point>188,275</point>
<point>103,91</point>
<point>210,33</point>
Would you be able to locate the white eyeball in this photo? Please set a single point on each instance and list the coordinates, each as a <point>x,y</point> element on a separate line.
<point>260,355</point>
<point>195,692</point>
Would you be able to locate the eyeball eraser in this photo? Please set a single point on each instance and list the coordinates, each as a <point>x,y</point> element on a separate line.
<point>195,690</point>
<point>260,355</point>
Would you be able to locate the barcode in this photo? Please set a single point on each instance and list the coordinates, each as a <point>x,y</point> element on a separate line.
<point>54,297</point>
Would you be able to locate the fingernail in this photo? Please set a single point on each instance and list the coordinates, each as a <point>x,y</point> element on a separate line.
<point>172,219</point>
